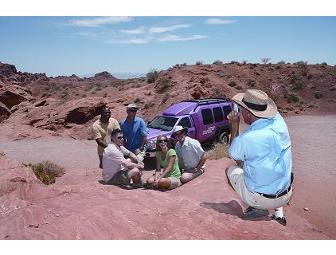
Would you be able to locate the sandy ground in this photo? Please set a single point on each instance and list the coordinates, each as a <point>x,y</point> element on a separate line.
<point>314,145</point>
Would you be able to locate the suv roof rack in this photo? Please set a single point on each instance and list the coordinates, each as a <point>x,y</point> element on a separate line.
<point>204,101</point>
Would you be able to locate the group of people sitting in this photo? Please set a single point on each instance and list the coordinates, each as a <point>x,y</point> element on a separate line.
<point>121,153</point>
<point>261,170</point>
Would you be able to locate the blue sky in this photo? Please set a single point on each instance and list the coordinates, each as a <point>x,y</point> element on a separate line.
<point>86,45</point>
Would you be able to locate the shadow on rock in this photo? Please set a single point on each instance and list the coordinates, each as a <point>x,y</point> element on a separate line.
<point>232,208</point>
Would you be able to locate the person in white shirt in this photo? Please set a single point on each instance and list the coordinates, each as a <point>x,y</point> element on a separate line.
<point>117,170</point>
<point>190,153</point>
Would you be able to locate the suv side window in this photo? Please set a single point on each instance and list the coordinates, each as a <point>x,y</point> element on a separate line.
<point>185,122</point>
<point>227,109</point>
<point>207,116</point>
<point>218,114</point>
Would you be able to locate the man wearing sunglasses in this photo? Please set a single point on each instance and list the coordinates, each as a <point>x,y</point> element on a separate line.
<point>102,129</point>
<point>117,170</point>
<point>190,153</point>
<point>135,130</point>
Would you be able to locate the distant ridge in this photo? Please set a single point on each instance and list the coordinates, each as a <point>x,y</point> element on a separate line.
<point>118,75</point>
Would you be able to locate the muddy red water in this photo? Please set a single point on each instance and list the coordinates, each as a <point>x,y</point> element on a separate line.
<point>79,207</point>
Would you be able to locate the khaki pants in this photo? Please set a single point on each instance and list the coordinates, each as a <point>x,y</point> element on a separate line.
<point>235,175</point>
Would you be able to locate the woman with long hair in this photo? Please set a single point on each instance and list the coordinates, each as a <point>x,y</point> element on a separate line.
<point>167,174</point>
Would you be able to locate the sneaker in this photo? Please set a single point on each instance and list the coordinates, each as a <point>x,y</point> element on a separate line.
<point>137,185</point>
<point>281,220</point>
<point>254,213</point>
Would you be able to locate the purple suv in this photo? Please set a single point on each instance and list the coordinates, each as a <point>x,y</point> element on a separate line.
<point>206,120</point>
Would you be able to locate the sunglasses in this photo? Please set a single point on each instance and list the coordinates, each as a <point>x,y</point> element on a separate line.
<point>178,133</point>
<point>120,137</point>
<point>163,141</point>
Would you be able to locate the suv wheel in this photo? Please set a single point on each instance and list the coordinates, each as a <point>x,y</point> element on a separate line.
<point>223,138</point>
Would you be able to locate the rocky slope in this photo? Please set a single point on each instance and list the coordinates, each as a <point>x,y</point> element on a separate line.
<point>46,102</point>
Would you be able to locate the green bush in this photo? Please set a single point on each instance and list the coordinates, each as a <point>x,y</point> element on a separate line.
<point>217,62</point>
<point>292,98</point>
<point>152,76</point>
<point>232,83</point>
<point>198,63</point>
<point>318,95</point>
<point>47,171</point>
<point>162,84</point>
<point>281,62</point>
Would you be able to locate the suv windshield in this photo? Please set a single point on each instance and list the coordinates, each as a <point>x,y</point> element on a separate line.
<point>163,123</point>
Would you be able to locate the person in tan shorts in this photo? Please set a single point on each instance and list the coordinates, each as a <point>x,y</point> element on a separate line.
<point>102,130</point>
<point>263,175</point>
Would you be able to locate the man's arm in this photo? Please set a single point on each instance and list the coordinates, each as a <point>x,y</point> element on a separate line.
<point>101,142</point>
<point>202,161</point>
<point>234,120</point>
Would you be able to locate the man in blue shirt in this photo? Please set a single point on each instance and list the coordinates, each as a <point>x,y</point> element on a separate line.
<point>264,152</point>
<point>135,130</point>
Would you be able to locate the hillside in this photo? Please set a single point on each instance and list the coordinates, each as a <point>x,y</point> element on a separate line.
<point>66,104</point>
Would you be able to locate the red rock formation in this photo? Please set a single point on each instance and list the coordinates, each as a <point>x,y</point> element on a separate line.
<point>11,95</point>
<point>4,112</point>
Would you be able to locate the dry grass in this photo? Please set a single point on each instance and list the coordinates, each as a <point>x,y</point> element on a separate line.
<point>47,171</point>
<point>218,151</point>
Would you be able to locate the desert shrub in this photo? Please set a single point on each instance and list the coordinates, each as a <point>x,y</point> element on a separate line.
<point>64,94</point>
<point>165,98</point>
<point>218,151</point>
<point>217,92</point>
<point>281,62</point>
<point>239,87</point>
<point>265,60</point>
<point>198,63</point>
<point>46,94</point>
<point>221,74</point>
<point>324,64</point>
<point>184,64</point>
<point>55,88</point>
<point>162,84</point>
<point>297,85</point>
<point>301,63</point>
<point>251,83</point>
<point>217,62</point>
<point>232,83</point>
<point>292,98</point>
<point>244,62</point>
<point>47,171</point>
<point>152,76</point>
<point>137,100</point>
<point>148,104</point>
<point>318,95</point>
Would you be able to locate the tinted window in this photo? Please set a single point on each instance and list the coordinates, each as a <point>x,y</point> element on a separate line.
<point>185,122</point>
<point>207,116</point>
<point>218,114</point>
<point>227,109</point>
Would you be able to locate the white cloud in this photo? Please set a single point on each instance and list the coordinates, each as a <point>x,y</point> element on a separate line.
<point>139,30</point>
<point>131,40</point>
<point>96,22</point>
<point>217,21</point>
<point>90,34</point>
<point>153,30</point>
<point>170,38</point>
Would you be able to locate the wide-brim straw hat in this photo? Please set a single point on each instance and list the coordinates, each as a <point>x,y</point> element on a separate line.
<point>257,102</point>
